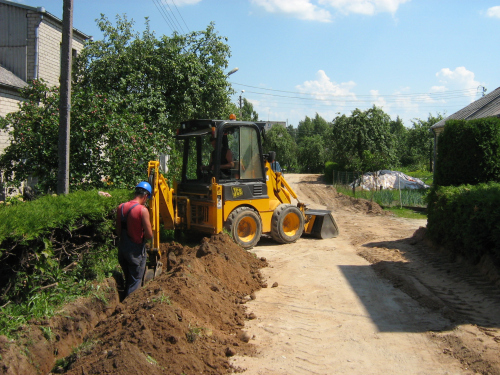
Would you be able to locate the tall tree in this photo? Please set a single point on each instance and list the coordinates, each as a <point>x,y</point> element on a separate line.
<point>247,111</point>
<point>130,92</point>
<point>420,140</point>
<point>278,139</point>
<point>109,146</point>
<point>363,141</point>
<point>165,80</point>
<point>312,154</point>
<point>305,129</point>
<point>400,135</point>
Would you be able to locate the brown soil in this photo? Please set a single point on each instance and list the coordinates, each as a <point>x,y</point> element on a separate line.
<point>189,320</point>
<point>377,299</point>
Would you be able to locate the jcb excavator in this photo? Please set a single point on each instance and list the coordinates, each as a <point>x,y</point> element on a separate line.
<point>245,196</point>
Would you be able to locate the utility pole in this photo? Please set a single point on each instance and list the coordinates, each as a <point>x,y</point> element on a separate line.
<point>241,105</point>
<point>65,99</point>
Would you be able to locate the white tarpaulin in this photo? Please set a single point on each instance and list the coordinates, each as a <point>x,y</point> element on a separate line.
<point>388,180</point>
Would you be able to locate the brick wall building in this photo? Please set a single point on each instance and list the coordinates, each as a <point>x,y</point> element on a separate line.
<point>30,48</point>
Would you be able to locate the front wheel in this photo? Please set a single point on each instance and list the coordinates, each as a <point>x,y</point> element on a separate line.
<point>245,226</point>
<point>287,224</point>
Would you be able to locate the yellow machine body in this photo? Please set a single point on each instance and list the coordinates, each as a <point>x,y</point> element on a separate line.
<point>250,200</point>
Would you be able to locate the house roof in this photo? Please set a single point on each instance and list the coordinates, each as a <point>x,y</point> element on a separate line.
<point>9,79</point>
<point>45,13</point>
<point>486,106</point>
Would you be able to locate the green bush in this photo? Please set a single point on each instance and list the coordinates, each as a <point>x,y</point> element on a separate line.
<point>468,152</point>
<point>330,166</point>
<point>51,247</point>
<point>466,219</point>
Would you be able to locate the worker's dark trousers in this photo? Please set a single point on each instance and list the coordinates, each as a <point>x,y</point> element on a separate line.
<point>132,259</point>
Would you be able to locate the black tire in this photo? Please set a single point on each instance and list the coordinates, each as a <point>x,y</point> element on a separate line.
<point>245,227</point>
<point>287,224</point>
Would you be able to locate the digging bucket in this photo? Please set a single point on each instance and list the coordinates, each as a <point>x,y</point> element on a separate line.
<point>321,224</point>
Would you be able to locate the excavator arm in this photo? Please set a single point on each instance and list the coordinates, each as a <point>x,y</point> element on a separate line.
<point>317,223</point>
<point>161,203</point>
<point>160,207</point>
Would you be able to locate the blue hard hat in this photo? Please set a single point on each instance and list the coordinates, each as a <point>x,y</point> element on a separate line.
<point>146,186</point>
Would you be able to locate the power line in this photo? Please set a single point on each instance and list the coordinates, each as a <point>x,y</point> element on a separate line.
<point>165,16</point>
<point>444,94</point>
<point>180,15</point>
<point>362,98</point>
<point>173,15</point>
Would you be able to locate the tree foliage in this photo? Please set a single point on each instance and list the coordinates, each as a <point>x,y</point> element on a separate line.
<point>279,140</point>
<point>363,141</point>
<point>419,143</point>
<point>312,154</point>
<point>107,146</point>
<point>166,80</point>
<point>130,92</point>
<point>468,152</point>
<point>247,111</point>
<point>310,137</point>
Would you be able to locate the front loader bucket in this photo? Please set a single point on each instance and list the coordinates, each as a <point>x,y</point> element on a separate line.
<point>321,224</point>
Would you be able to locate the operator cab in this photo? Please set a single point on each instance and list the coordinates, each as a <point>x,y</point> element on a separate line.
<point>229,151</point>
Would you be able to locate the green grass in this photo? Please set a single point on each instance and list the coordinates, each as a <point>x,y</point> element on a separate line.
<point>388,198</point>
<point>162,299</point>
<point>391,200</point>
<point>193,333</point>
<point>407,213</point>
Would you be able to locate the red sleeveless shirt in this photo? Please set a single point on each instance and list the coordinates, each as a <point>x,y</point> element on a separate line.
<point>134,221</point>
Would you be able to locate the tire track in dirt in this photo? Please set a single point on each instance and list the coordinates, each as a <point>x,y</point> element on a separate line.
<point>457,312</point>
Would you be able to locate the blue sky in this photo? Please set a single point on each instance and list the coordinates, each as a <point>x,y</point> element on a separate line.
<point>297,58</point>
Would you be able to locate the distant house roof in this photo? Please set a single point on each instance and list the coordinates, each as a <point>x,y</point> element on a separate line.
<point>486,106</point>
<point>9,79</point>
<point>42,10</point>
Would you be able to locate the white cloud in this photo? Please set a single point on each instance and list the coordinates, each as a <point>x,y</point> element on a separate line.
<point>302,9</point>
<point>324,89</point>
<point>319,10</point>
<point>493,12</point>
<point>438,89</point>
<point>458,79</point>
<point>378,100</point>
<point>368,7</point>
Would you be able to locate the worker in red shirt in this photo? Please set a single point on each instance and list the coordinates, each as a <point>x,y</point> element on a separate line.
<point>133,229</point>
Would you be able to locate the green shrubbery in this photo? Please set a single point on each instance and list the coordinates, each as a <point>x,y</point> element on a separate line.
<point>464,210</point>
<point>330,166</point>
<point>468,152</point>
<point>51,248</point>
<point>466,219</point>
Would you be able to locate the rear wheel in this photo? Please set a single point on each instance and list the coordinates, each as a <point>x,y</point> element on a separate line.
<point>287,224</point>
<point>245,226</point>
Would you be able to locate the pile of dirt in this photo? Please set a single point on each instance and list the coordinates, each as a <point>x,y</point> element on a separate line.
<point>188,320</point>
<point>327,195</point>
<point>360,205</point>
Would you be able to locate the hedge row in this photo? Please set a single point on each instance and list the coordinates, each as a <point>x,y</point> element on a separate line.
<point>466,219</point>
<point>55,240</point>
<point>468,152</point>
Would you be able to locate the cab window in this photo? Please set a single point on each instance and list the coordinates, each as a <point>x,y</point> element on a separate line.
<point>250,164</point>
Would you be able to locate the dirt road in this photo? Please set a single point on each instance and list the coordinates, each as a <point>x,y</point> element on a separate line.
<point>375,300</point>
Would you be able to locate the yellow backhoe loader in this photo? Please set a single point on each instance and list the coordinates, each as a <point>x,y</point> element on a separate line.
<point>245,196</point>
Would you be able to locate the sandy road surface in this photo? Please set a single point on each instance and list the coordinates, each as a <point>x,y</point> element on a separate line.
<point>371,301</point>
